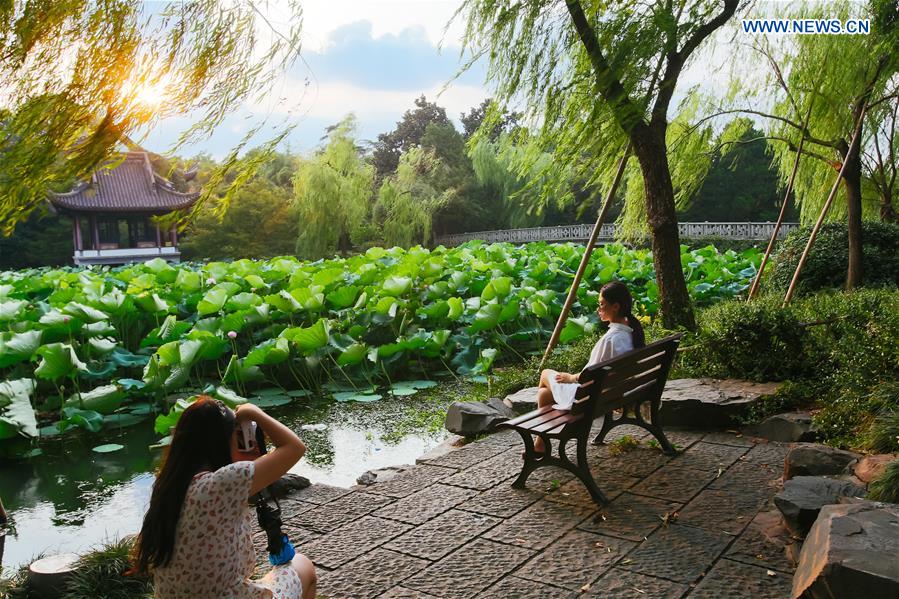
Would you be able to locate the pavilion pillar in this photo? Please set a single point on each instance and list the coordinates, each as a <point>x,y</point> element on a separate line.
<point>158,237</point>
<point>174,236</point>
<point>76,233</point>
<point>95,232</point>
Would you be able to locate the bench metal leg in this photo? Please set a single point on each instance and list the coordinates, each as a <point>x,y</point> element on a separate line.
<point>653,426</point>
<point>531,460</point>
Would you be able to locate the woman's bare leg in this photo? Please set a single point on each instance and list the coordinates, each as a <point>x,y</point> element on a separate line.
<point>306,569</point>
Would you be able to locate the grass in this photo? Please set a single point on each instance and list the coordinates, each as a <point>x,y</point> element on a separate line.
<point>886,488</point>
<point>623,445</point>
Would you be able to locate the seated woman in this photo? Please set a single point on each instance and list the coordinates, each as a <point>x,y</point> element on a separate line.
<point>625,334</point>
<point>196,536</point>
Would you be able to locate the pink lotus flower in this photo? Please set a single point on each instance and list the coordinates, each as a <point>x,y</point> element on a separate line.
<point>210,281</point>
<point>232,334</point>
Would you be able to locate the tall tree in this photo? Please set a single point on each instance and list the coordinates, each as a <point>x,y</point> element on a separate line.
<point>332,192</point>
<point>839,76</point>
<point>407,135</point>
<point>599,76</point>
<point>471,121</point>
<point>81,75</point>
<point>408,200</point>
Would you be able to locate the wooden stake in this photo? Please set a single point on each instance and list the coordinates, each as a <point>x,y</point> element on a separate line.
<point>585,259</point>
<point>830,198</point>
<point>753,290</point>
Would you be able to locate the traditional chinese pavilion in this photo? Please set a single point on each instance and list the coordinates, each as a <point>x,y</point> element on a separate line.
<point>111,213</point>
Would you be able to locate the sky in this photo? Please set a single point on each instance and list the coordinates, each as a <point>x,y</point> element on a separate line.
<point>371,58</point>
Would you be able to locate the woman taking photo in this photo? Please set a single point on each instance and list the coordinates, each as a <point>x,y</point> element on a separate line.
<point>196,536</point>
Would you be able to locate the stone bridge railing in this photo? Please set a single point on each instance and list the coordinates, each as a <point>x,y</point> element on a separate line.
<point>751,231</point>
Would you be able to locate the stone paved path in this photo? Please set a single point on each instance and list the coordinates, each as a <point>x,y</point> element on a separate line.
<point>453,527</point>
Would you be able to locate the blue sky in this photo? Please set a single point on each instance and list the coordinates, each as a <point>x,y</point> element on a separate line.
<point>369,58</point>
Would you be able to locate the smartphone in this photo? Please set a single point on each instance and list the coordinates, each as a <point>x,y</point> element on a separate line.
<point>246,440</point>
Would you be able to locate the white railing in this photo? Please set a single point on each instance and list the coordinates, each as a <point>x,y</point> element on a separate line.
<point>123,255</point>
<point>748,231</point>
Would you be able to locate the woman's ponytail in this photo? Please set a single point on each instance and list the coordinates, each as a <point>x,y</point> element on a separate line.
<point>617,292</point>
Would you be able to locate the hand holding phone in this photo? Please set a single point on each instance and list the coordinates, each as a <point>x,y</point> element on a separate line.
<point>246,440</point>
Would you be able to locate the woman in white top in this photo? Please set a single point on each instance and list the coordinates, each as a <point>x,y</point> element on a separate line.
<point>625,334</point>
<point>196,539</point>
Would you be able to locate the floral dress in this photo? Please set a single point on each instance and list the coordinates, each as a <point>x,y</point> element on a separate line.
<point>214,555</point>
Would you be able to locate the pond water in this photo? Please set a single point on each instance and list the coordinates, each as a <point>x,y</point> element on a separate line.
<point>72,498</point>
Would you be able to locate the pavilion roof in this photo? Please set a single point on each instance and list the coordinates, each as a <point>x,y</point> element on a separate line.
<point>129,185</point>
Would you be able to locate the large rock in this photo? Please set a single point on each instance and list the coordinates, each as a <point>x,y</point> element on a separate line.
<point>804,496</point>
<point>522,401</point>
<point>709,403</point>
<point>851,551</point>
<point>381,475</point>
<point>288,483</point>
<point>785,428</point>
<point>473,418</point>
<point>870,468</point>
<point>816,460</point>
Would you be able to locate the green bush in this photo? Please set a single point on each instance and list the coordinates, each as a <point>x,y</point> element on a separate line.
<point>838,351</point>
<point>100,573</point>
<point>886,488</point>
<point>828,260</point>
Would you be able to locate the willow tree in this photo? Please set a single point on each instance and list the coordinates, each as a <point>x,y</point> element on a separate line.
<point>593,78</point>
<point>332,192</point>
<point>836,77</point>
<point>80,76</point>
<point>408,199</point>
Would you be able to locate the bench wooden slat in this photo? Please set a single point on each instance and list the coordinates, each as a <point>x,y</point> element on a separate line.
<point>563,418</point>
<point>525,417</point>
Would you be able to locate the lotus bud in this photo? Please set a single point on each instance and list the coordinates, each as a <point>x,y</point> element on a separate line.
<point>232,334</point>
<point>210,281</point>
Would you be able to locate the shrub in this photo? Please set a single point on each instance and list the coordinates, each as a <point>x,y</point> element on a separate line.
<point>886,488</point>
<point>828,260</point>
<point>100,573</point>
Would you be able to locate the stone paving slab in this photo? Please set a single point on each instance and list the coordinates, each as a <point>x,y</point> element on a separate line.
<point>709,456</point>
<point>618,583</point>
<point>443,534</point>
<point>453,527</point>
<point>335,514</point>
<point>741,581</point>
<point>502,500</point>
<point>678,553</point>
<point>576,559</point>
<point>469,455</point>
<point>368,576</point>
<point>352,540</point>
<point>719,510</point>
<point>763,543</point>
<point>519,588</point>
<point>411,481</point>
<point>488,473</point>
<point>429,503</point>
<point>674,483</point>
<point>539,525</point>
<point>469,570</point>
<point>319,494</point>
<point>631,517</point>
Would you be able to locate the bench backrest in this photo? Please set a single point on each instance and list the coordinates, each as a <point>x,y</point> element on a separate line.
<point>636,376</point>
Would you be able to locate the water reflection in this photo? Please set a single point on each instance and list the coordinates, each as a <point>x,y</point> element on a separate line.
<point>71,498</point>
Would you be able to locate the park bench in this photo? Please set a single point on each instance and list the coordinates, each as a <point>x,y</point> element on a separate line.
<point>626,383</point>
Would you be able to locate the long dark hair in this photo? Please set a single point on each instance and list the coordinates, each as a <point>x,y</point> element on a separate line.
<point>201,441</point>
<point>616,292</point>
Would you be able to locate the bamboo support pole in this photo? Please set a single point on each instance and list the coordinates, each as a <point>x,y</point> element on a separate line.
<point>585,259</point>
<point>754,289</point>
<point>824,209</point>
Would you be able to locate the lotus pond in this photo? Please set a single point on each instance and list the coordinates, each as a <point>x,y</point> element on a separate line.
<point>102,361</point>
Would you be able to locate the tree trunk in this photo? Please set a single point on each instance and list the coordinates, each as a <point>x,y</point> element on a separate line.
<point>887,212</point>
<point>852,179</point>
<point>651,151</point>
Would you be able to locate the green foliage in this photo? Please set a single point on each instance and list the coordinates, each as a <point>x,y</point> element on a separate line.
<point>408,200</point>
<point>827,261</point>
<point>882,435</point>
<point>76,72</point>
<point>408,134</point>
<point>839,350</point>
<point>386,316</point>
<point>101,573</point>
<point>623,445</point>
<point>39,240</point>
<point>332,193</point>
<point>886,488</point>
